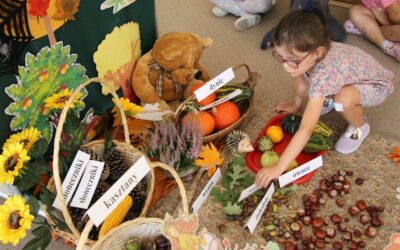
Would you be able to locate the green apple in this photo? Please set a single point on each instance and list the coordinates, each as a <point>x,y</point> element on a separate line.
<point>269,158</point>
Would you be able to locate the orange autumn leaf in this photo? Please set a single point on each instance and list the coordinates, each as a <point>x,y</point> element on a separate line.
<point>395,154</point>
<point>66,9</point>
<point>209,158</point>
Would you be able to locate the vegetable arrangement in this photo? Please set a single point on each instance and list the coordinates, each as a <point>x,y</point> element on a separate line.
<point>220,116</point>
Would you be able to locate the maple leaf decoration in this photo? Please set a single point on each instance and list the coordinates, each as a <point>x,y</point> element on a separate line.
<point>209,158</point>
<point>38,7</point>
<point>395,155</point>
<point>66,9</point>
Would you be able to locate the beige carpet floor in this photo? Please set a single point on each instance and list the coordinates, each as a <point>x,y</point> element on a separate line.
<point>232,47</point>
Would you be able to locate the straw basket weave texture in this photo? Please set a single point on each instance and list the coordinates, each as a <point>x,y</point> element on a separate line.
<point>140,228</point>
<point>129,153</point>
<point>251,81</point>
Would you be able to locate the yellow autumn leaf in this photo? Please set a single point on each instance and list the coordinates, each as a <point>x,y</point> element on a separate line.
<point>209,158</point>
<point>116,57</point>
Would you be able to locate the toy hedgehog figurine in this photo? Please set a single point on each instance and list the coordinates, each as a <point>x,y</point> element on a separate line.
<point>238,142</point>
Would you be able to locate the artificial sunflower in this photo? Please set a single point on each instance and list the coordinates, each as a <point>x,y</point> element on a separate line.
<point>12,161</point>
<point>27,137</point>
<point>58,100</point>
<point>209,159</point>
<point>15,219</point>
<point>129,108</point>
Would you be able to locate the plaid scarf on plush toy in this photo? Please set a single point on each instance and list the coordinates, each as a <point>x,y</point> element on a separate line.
<point>159,83</point>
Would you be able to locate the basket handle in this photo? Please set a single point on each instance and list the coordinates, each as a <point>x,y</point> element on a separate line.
<point>57,139</point>
<point>178,180</point>
<point>85,233</point>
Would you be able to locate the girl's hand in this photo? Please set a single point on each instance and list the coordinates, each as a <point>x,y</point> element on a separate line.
<point>291,108</point>
<point>266,175</point>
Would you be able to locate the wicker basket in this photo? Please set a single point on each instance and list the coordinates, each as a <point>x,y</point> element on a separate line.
<point>130,155</point>
<point>251,81</point>
<point>140,228</point>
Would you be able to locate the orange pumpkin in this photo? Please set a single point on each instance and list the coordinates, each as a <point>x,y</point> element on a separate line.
<point>225,115</point>
<point>209,99</point>
<point>205,120</point>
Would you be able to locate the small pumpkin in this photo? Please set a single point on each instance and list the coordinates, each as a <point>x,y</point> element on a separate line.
<point>275,133</point>
<point>205,120</point>
<point>291,123</point>
<point>209,99</point>
<point>225,114</point>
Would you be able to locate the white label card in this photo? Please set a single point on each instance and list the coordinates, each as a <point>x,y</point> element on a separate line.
<point>88,185</point>
<point>222,100</point>
<point>214,84</point>
<point>300,171</point>
<point>117,192</point>
<point>248,191</point>
<point>206,191</point>
<point>251,224</point>
<point>74,174</point>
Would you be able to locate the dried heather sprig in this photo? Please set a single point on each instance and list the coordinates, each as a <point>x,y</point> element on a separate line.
<point>177,147</point>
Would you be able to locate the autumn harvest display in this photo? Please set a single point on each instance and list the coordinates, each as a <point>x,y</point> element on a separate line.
<point>162,165</point>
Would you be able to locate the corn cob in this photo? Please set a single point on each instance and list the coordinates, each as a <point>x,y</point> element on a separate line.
<point>116,216</point>
<point>323,129</point>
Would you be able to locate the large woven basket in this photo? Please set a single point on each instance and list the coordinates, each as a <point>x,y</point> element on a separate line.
<point>129,153</point>
<point>140,228</point>
<point>245,108</point>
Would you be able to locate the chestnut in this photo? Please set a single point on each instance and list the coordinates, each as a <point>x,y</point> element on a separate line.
<point>295,227</point>
<point>337,245</point>
<point>342,227</point>
<point>301,212</point>
<point>289,245</point>
<point>347,235</point>
<point>336,218</point>
<point>357,232</point>
<point>353,210</point>
<point>318,222</point>
<point>370,232</point>
<point>361,205</point>
<point>331,232</point>
<point>340,202</point>
<point>306,220</point>
<point>313,198</point>
<point>333,193</point>
<point>320,244</point>
<point>359,181</point>
<point>361,244</point>
<point>376,222</point>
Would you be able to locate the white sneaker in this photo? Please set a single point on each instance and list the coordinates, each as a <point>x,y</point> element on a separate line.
<point>246,21</point>
<point>217,11</point>
<point>351,140</point>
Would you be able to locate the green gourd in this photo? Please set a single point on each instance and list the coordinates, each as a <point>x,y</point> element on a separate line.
<point>291,123</point>
<point>265,144</point>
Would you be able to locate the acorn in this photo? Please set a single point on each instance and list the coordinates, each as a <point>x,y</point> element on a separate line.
<point>238,142</point>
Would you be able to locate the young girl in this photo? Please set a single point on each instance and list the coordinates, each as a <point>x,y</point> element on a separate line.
<point>379,21</point>
<point>323,69</point>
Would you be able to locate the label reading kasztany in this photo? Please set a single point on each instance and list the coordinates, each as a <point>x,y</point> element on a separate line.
<point>117,192</point>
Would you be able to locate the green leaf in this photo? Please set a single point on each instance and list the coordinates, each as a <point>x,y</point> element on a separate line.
<point>61,225</point>
<point>220,197</point>
<point>47,197</point>
<point>44,234</point>
<point>33,244</point>
<point>31,176</point>
<point>39,148</point>
<point>33,205</point>
<point>237,174</point>
<point>232,209</point>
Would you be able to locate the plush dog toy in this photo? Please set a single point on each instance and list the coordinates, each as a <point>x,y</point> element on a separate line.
<point>163,73</point>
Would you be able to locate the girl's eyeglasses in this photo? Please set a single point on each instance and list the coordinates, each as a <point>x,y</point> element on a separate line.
<point>291,64</point>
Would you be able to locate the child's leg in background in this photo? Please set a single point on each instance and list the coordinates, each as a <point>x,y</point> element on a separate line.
<point>392,32</point>
<point>230,6</point>
<point>368,22</point>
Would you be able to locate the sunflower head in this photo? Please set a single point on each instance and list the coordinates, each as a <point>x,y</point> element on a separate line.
<point>15,219</point>
<point>58,100</point>
<point>12,161</point>
<point>27,137</point>
<point>129,108</point>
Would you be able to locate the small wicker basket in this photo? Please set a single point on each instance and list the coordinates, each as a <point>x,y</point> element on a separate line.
<point>140,228</point>
<point>129,153</point>
<point>251,81</point>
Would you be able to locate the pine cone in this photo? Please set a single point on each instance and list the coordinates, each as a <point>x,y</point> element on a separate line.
<point>140,189</point>
<point>116,163</point>
<point>138,204</point>
<point>101,188</point>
